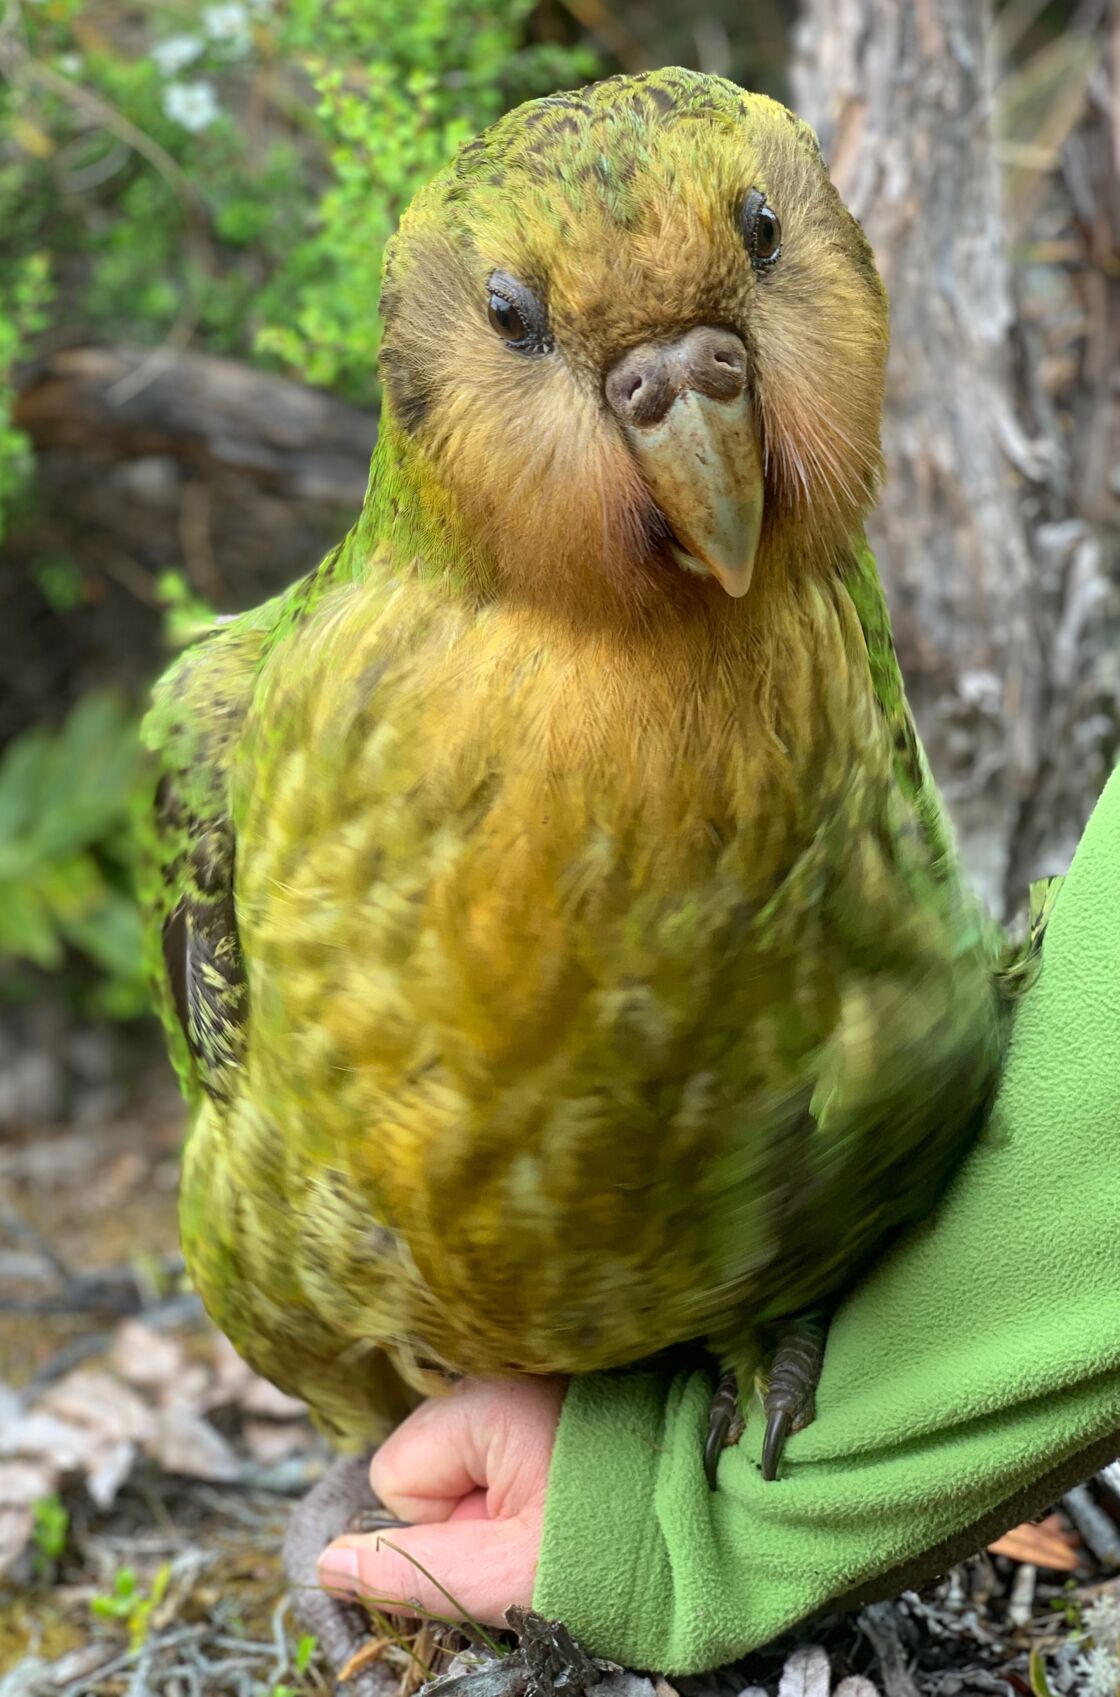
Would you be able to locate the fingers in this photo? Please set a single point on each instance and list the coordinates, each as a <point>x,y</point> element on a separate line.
<point>469,1472</point>
<point>434,1458</point>
<point>486,1436</point>
<point>475,1568</point>
<point>471,1508</point>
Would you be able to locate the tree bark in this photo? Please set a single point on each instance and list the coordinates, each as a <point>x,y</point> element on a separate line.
<point>977,461</point>
<point>146,462</point>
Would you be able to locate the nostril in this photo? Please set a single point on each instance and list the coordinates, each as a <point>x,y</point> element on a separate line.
<point>627,389</point>
<point>716,362</point>
<point>642,386</point>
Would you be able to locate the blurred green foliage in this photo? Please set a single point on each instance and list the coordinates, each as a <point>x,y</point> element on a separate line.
<point>50,1534</point>
<point>400,87</point>
<point>24,292</point>
<point>225,174</point>
<point>71,800</point>
<point>231,171</point>
<point>67,853</point>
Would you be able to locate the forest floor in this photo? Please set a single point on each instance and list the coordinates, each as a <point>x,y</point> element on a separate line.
<point>146,1474</point>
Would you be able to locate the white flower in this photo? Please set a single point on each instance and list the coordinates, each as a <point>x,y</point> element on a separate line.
<point>225,22</point>
<point>70,64</point>
<point>1102,1617</point>
<point>1101,1673</point>
<point>228,25</point>
<point>176,51</point>
<point>192,104</point>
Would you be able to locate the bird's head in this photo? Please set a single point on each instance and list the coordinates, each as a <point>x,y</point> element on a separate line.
<point>634,339</point>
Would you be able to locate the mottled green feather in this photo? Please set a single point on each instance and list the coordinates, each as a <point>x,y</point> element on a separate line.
<point>192,954</point>
<point>565,965</point>
<point>861,580</point>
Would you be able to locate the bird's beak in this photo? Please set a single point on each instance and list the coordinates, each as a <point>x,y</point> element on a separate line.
<point>700,459</point>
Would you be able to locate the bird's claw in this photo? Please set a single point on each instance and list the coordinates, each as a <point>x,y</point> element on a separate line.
<point>725,1425</point>
<point>790,1399</point>
<point>778,1425</point>
<point>546,1663</point>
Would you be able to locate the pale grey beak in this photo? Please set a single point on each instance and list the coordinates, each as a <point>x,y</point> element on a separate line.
<point>689,421</point>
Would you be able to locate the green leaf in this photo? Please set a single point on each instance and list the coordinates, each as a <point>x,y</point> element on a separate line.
<point>124,1583</point>
<point>1040,1685</point>
<point>111,935</point>
<point>27,928</point>
<point>68,804</point>
<point>50,1529</point>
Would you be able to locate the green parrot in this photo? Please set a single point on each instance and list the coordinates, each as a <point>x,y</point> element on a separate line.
<point>557,929</point>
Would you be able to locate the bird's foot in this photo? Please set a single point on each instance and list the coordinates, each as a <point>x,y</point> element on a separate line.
<point>547,1662</point>
<point>725,1425</point>
<point>341,1502</point>
<point>551,1655</point>
<point>789,1401</point>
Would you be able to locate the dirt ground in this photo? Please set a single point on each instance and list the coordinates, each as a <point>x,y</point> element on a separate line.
<point>144,1472</point>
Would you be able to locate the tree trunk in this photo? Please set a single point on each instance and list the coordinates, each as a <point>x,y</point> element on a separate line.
<point>146,462</point>
<point>903,100</point>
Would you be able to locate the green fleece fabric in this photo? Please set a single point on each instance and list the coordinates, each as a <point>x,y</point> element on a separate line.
<point>974,1371</point>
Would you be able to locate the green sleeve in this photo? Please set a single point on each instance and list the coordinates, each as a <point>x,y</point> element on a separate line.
<point>968,1380</point>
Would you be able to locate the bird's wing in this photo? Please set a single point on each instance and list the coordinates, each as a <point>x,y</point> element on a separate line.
<point>1015,958</point>
<point>192,949</point>
<point>860,576</point>
<point>193,953</point>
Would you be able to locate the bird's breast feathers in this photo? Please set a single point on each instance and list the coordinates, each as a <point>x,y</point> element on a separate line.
<point>517,913</point>
<point>480,828</point>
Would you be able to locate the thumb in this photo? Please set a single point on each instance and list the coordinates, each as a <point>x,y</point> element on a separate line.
<point>459,1569</point>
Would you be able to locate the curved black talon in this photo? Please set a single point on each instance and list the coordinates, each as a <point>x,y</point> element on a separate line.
<point>723,1418</point>
<point>714,1445</point>
<point>790,1400</point>
<point>774,1442</point>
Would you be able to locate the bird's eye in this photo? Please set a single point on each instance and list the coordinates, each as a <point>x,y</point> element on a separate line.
<point>762,231</point>
<point>506,320</point>
<point>517,315</point>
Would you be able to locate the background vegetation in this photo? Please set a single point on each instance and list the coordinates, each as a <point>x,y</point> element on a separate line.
<point>225,176</point>
<point>220,179</point>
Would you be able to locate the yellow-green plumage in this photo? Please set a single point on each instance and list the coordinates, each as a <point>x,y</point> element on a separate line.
<point>565,960</point>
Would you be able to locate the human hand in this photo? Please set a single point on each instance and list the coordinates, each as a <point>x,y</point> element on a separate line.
<point>469,1473</point>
